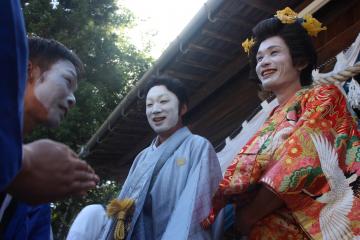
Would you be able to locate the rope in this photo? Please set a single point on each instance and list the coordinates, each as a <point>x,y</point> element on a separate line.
<point>341,76</point>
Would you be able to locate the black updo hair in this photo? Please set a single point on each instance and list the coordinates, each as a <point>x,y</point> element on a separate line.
<point>174,85</point>
<point>297,39</point>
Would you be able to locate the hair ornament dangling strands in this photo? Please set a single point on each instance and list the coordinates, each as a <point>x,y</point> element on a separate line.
<point>248,44</point>
<point>288,16</point>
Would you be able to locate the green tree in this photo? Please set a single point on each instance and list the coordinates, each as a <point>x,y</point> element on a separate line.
<point>95,30</point>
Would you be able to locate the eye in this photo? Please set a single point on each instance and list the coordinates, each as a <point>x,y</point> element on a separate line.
<point>68,82</point>
<point>149,105</point>
<point>274,52</point>
<point>259,58</point>
<point>164,101</point>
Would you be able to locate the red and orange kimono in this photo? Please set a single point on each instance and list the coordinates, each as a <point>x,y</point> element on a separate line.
<point>308,153</point>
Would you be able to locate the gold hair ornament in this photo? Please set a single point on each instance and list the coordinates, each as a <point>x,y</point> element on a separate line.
<point>311,25</point>
<point>288,16</point>
<point>248,44</point>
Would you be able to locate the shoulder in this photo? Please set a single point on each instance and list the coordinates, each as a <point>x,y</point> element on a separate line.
<point>199,146</point>
<point>139,157</point>
<point>198,140</point>
<point>321,94</point>
<point>322,90</point>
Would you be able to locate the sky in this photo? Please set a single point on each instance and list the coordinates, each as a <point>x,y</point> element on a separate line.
<point>160,21</point>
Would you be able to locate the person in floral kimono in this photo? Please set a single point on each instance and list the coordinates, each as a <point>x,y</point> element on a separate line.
<point>298,176</point>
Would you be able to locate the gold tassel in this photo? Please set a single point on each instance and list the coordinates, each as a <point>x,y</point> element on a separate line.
<point>120,209</point>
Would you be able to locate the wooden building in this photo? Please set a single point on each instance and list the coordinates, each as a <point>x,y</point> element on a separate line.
<point>208,57</point>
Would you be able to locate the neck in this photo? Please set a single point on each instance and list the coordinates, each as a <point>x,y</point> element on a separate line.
<point>284,94</point>
<point>34,112</point>
<point>165,135</point>
<point>29,120</point>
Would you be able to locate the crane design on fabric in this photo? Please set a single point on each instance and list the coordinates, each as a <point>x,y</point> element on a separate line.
<point>334,221</point>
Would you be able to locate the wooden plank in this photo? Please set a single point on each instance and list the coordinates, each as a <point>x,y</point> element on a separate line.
<point>313,7</point>
<point>262,5</point>
<point>129,157</point>
<point>236,21</point>
<point>185,76</point>
<point>227,72</point>
<point>221,37</point>
<point>196,64</point>
<point>208,51</point>
<point>240,23</point>
<point>339,42</point>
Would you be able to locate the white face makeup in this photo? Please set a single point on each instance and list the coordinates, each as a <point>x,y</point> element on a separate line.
<point>274,67</point>
<point>55,90</point>
<point>162,110</point>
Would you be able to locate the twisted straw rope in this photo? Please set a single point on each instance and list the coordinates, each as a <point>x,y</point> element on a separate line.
<point>341,76</point>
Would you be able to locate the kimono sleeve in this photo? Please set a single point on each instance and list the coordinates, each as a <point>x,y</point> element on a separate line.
<point>296,173</point>
<point>195,200</point>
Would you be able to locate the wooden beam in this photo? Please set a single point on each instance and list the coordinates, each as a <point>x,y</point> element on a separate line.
<point>338,43</point>
<point>116,134</point>
<point>313,7</point>
<point>261,5</point>
<point>227,72</point>
<point>208,51</point>
<point>129,158</point>
<point>185,76</point>
<point>240,22</point>
<point>132,129</point>
<point>196,64</point>
<point>221,37</point>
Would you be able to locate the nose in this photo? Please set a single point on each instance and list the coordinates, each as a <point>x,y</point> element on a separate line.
<point>156,109</point>
<point>71,100</point>
<point>265,61</point>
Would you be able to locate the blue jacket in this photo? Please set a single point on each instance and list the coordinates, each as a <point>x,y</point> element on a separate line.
<point>13,64</point>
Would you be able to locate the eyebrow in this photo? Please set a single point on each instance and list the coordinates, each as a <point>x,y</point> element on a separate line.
<point>268,48</point>
<point>72,73</point>
<point>162,95</point>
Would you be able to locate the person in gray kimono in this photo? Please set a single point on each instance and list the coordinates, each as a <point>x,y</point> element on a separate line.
<point>170,184</point>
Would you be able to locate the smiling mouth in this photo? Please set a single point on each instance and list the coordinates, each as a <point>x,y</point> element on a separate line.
<point>268,72</point>
<point>64,109</point>
<point>158,119</point>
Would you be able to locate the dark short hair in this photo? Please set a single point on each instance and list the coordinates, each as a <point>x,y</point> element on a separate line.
<point>173,85</point>
<point>45,52</point>
<point>300,44</point>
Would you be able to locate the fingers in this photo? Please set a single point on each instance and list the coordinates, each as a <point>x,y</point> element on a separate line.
<point>80,187</point>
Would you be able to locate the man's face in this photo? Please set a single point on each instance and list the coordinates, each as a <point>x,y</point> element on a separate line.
<point>162,110</point>
<point>274,67</point>
<point>54,89</point>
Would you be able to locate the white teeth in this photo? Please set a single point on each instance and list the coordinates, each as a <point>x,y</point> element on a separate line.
<point>268,72</point>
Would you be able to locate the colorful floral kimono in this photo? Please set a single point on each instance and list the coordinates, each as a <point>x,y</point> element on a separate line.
<point>308,153</point>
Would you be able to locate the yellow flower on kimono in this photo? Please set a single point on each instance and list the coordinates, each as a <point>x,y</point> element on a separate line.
<point>312,25</point>
<point>286,16</point>
<point>295,150</point>
<point>248,44</point>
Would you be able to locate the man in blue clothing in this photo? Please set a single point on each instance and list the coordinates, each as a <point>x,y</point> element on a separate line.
<point>13,60</point>
<point>40,171</point>
<point>53,72</point>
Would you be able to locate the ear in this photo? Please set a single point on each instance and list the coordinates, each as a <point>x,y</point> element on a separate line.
<point>30,77</point>
<point>183,110</point>
<point>33,72</point>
